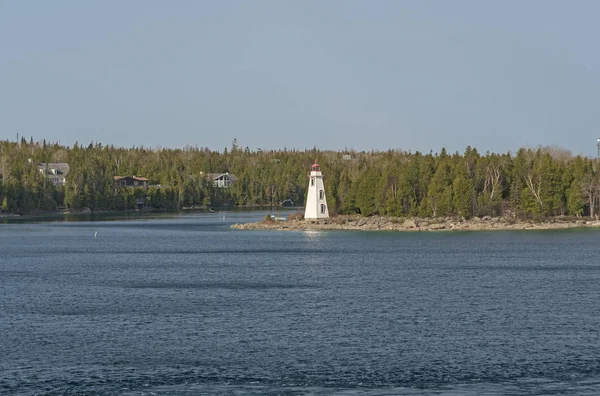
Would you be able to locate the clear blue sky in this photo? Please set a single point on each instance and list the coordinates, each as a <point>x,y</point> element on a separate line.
<point>411,75</point>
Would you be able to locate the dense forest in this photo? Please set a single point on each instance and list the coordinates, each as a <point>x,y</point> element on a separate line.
<point>531,183</point>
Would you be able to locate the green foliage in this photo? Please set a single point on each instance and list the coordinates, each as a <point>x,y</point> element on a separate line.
<point>575,199</point>
<point>440,190</point>
<point>268,219</point>
<point>532,183</point>
<point>366,193</point>
<point>463,195</point>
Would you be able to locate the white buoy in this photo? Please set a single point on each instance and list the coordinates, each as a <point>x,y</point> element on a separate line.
<point>95,234</point>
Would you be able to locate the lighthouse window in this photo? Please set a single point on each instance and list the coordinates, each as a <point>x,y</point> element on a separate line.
<point>321,194</point>
<point>323,209</point>
<point>312,181</point>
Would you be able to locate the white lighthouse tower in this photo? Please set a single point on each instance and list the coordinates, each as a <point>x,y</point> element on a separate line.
<point>316,203</point>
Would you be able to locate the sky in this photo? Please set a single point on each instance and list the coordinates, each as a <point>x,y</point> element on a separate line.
<point>410,75</point>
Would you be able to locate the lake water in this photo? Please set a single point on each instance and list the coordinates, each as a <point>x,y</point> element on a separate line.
<point>181,304</point>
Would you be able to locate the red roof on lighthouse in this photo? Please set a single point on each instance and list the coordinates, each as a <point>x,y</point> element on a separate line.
<point>315,165</point>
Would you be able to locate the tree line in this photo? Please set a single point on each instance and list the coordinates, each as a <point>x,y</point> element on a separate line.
<point>531,183</point>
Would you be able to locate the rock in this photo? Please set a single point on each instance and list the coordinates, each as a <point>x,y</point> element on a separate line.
<point>438,226</point>
<point>415,224</point>
<point>410,223</point>
<point>476,219</point>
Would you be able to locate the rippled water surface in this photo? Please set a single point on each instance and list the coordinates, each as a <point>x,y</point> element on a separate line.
<point>183,305</point>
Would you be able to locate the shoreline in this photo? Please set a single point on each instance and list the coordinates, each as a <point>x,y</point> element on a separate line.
<point>63,213</point>
<point>381,223</point>
<point>67,211</point>
<point>43,214</point>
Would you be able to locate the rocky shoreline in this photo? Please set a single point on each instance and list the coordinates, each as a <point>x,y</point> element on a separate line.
<point>380,223</point>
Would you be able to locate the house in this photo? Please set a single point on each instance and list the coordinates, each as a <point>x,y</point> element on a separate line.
<point>222,180</point>
<point>56,172</point>
<point>131,181</point>
<point>287,202</point>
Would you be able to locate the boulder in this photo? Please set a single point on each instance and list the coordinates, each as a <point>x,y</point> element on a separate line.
<point>409,223</point>
<point>438,226</point>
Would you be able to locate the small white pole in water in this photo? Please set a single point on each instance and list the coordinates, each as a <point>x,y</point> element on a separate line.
<point>96,233</point>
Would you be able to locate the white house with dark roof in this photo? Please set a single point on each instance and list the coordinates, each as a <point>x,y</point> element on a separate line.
<point>222,180</point>
<point>56,172</point>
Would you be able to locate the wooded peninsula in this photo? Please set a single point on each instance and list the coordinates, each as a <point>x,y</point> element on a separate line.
<point>533,184</point>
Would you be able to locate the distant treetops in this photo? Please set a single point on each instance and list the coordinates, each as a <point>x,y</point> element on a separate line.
<point>530,183</point>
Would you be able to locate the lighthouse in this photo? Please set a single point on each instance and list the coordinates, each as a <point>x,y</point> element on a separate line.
<point>316,203</point>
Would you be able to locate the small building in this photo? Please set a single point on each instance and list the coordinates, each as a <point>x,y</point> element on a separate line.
<point>131,181</point>
<point>56,172</point>
<point>222,180</point>
<point>316,202</point>
<point>287,202</point>
<point>346,157</point>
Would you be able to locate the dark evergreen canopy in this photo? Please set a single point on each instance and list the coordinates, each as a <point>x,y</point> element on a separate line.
<point>531,183</point>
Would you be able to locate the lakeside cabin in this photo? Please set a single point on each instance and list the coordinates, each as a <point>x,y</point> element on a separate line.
<point>56,172</point>
<point>131,181</point>
<point>222,180</point>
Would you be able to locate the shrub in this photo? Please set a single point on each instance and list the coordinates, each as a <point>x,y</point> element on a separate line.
<point>268,219</point>
<point>296,216</point>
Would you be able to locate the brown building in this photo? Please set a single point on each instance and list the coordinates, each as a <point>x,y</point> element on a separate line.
<point>131,181</point>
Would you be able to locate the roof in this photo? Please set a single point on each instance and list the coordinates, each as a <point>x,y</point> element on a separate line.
<point>62,167</point>
<point>215,176</point>
<point>138,178</point>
